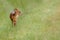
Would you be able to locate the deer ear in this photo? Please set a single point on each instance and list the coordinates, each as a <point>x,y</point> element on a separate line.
<point>13,12</point>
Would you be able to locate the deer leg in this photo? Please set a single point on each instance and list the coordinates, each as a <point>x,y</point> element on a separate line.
<point>14,22</point>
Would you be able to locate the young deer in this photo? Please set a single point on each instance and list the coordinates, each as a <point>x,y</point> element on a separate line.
<point>14,15</point>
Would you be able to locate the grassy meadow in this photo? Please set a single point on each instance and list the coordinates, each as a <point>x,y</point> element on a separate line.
<point>40,20</point>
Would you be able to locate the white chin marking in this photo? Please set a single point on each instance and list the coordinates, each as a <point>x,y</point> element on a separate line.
<point>17,16</point>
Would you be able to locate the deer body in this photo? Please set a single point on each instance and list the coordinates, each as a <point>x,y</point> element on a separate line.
<point>14,16</point>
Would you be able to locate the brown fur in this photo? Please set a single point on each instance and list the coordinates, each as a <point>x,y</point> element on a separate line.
<point>13,16</point>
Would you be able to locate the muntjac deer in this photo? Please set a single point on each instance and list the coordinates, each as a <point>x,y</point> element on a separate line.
<point>14,16</point>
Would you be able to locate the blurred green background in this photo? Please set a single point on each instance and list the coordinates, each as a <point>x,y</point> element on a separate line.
<point>40,20</point>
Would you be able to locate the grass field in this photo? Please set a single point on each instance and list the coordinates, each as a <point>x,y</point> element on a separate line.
<point>40,20</point>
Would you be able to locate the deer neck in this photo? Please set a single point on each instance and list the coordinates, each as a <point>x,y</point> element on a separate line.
<point>16,15</point>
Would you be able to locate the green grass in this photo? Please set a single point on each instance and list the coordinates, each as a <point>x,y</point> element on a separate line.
<point>40,20</point>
